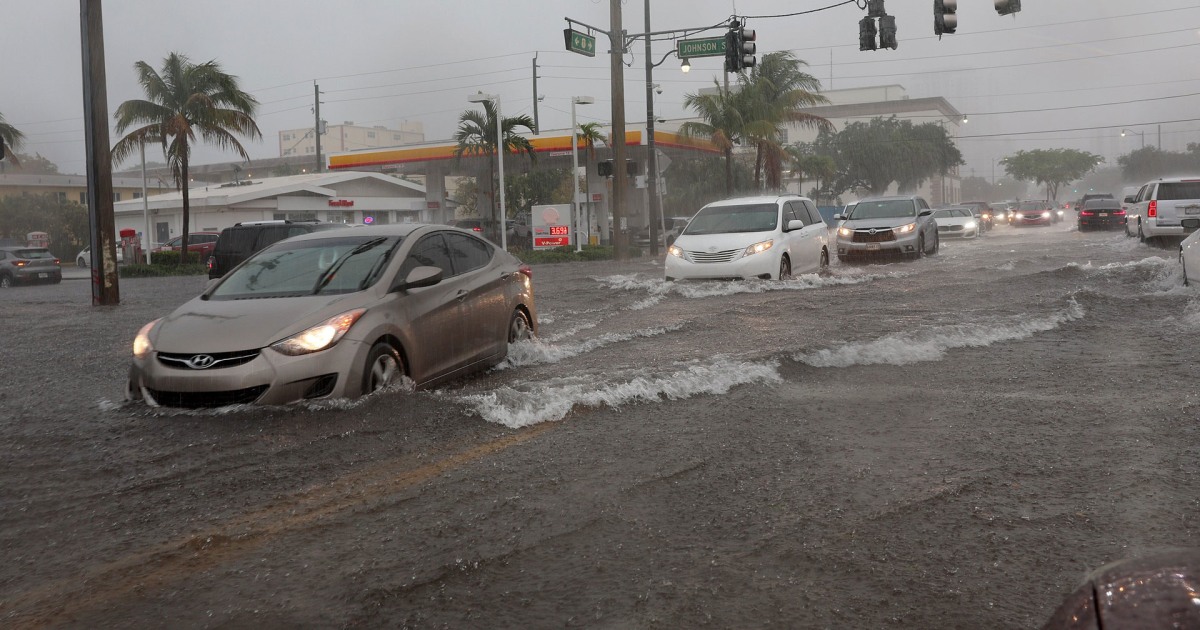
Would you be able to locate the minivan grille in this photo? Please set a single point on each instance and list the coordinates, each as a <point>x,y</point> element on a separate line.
<point>713,257</point>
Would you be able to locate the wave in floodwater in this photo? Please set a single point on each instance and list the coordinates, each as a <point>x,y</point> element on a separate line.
<point>539,351</point>
<point>553,399</point>
<point>931,343</point>
<point>659,288</point>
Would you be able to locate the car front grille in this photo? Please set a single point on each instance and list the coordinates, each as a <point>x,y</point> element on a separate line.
<point>880,236</point>
<point>713,257</point>
<point>199,400</point>
<point>950,228</point>
<point>219,359</point>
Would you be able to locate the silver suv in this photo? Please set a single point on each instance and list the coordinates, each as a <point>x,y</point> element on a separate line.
<point>1163,207</point>
<point>901,225</point>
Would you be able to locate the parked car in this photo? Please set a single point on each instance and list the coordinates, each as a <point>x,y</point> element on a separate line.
<point>1101,213</point>
<point>236,244</point>
<point>338,313</point>
<point>28,265</point>
<point>984,211</point>
<point>84,257</point>
<point>901,225</point>
<point>956,222</point>
<point>1159,207</point>
<point>1034,212</point>
<point>199,242</point>
<point>674,227</point>
<point>751,237</point>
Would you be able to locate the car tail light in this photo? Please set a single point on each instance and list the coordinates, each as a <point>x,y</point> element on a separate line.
<point>1152,209</point>
<point>526,270</point>
<point>1119,213</point>
<point>1086,213</point>
<point>57,261</point>
<point>20,263</point>
<point>476,229</point>
<point>211,262</point>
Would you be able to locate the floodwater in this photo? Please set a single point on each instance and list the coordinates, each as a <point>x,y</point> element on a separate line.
<point>952,442</point>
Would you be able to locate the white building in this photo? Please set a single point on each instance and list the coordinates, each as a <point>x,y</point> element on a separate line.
<point>351,197</point>
<point>348,137</point>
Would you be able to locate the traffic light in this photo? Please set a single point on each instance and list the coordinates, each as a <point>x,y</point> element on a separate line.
<point>1005,7</point>
<point>604,169</point>
<point>866,34</point>
<point>875,9</point>
<point>944,18</point>
<point>746,37</point>
<point>732,51</point>
<point>887,32</point>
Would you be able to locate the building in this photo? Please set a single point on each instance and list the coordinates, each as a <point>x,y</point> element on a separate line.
<point>348,137</point>
<point>350,197</point>
<point>74,187</point>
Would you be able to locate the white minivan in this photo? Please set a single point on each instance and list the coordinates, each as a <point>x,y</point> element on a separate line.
<point>751,237</point>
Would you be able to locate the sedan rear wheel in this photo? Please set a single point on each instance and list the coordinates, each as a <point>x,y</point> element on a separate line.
<point>384,367</point>
<point>519,328</point>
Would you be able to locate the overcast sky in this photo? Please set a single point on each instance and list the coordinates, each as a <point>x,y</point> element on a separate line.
<point>381,62</point>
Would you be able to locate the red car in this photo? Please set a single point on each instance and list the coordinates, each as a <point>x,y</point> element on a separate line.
<point>202,242</point>
<point>1034,213</point>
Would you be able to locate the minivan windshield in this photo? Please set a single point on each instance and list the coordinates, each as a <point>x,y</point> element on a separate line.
<point>883,209</point>
<point>730,219</point>
<point>309,267</point>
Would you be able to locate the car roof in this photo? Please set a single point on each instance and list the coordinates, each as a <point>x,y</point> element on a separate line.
<point>736,201</point>
<point>891,198</point>
<point>391,229</point>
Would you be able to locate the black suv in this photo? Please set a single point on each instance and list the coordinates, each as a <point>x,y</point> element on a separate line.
<point>241,241</point>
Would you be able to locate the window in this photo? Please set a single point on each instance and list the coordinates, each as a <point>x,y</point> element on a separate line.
<point>62,197</point>
<point>370,134</point>
<point>428,252</point>
<point>116,196</point>
<point>397,137</point>
<point>789,214</point>
<point>339,216</point>
<point>814,213</point>
<point>381,217</point>
<point>83,198</point>
<point>468,253</point>
<point>287,136</point>
<point>298,216</point>
<point>137,195</point>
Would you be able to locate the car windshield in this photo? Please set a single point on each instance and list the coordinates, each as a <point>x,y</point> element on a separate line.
<point>1032,205</point>
<point>732,219</point>
<point>883,209</point>
<point>309,267</point>
<point>173,242</point>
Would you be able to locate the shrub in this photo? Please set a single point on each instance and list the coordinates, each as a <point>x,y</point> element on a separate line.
<point>567,253</point>
<point>140,270</point>
<point>172,258</point>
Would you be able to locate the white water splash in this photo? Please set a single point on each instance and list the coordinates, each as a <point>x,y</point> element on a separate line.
<point>931,343</point>
<point>537,351</point>
<point>553,399</point>
<point>659,288</point>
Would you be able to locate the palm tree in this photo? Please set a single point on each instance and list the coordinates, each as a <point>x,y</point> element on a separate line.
<point>587,137</point>
<point>777,89</point>
<point>184,101</point>
<point>476,136</point>
<point>807,163</point>
<point>723,123</point>
<point>12,138</point>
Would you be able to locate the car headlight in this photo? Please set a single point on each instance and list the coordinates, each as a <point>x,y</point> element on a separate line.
<point>1060,213</point>
<point>1020,215</point>
<point>675,251</point>
<point>969,225</point>
<point>758,247</point>
<point>847,232</point>
<point>905,229</point>
<point>1046,215</point>
<point>319,337</point>
<point>141,341</point>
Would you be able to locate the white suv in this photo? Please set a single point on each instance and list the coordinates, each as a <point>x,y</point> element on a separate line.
<point>1161,207</point>
<point>751,237</point>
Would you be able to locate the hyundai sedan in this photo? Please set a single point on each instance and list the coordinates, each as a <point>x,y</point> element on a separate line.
<point>338,313</point>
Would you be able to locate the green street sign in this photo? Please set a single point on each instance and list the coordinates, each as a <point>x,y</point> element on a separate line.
<point>581,43</point>
<point>707,47</point>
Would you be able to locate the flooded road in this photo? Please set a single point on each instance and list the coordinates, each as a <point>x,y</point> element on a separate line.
<point>951,442</point>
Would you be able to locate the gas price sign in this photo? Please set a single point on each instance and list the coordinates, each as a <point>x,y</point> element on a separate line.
<point>551,225</point>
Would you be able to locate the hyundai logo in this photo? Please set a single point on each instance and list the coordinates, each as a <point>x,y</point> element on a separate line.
<point>201,361</point>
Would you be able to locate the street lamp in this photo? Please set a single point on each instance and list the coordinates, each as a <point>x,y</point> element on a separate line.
<point>494,99</point>
<point>576,212</point>
<point>686,66</point>
<point>1140,133</point>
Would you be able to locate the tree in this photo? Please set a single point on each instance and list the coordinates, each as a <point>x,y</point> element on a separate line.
<point>723,123</point>
<point>476,135</point>
<point>33,164</point>
<point>13,140</point>
<point>586,138</point>
<point>776,90</point>
<point>183,101</point>
<point>65,221</point>
<point>805,162</point>
<point>1050,167</point>
<point>1150,162</point>
<point>875,154</point>
<point>690,184</point>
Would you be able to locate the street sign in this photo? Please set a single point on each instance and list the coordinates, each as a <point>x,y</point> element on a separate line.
<point>581,43</point>
<point>707,47</point>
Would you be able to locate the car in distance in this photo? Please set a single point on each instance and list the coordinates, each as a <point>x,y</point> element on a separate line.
<point>984,211</point>
<point>199,242</point>
<point>901,225</point>
<point>956,222</point>
<point>338,314</point>
<point>84,257</point>
<point>667,236</point>
<point>239,242</point>
<point>768,237</point>
<point>1160,206</point>
<point>28,265</point>
<point>1034,213</point>
<point>1101,213</point>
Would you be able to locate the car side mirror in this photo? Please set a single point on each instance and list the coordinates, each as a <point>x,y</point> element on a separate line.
<point>924,213</point>
<point>795,224</point>
<point>839,217</point>
<point>1129,199</point>
<point>420,277</point>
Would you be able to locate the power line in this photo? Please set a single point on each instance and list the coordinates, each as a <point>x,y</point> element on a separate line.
<point>783,15</point>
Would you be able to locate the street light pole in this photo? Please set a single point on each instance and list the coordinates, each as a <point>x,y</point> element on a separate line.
<point>575,210</point>
<point>655,214</point>
<point>495,100</point>
<point>145,204</point>
<point>1140,133</point>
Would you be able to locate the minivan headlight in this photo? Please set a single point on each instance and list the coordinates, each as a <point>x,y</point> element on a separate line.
<point>675,251</point>
<point>905,229</point>
<point>319,337</point>
<point>141,341</point>
<point>756,248</point>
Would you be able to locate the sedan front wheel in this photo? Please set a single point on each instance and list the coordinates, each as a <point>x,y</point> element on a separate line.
<point>384,367</point>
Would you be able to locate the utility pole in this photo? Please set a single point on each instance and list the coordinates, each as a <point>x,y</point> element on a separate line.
<point>616,36</point>
<point>317,126</point>
<point>536,128</point>
<point>105,290</point>
<point>651,157</point>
